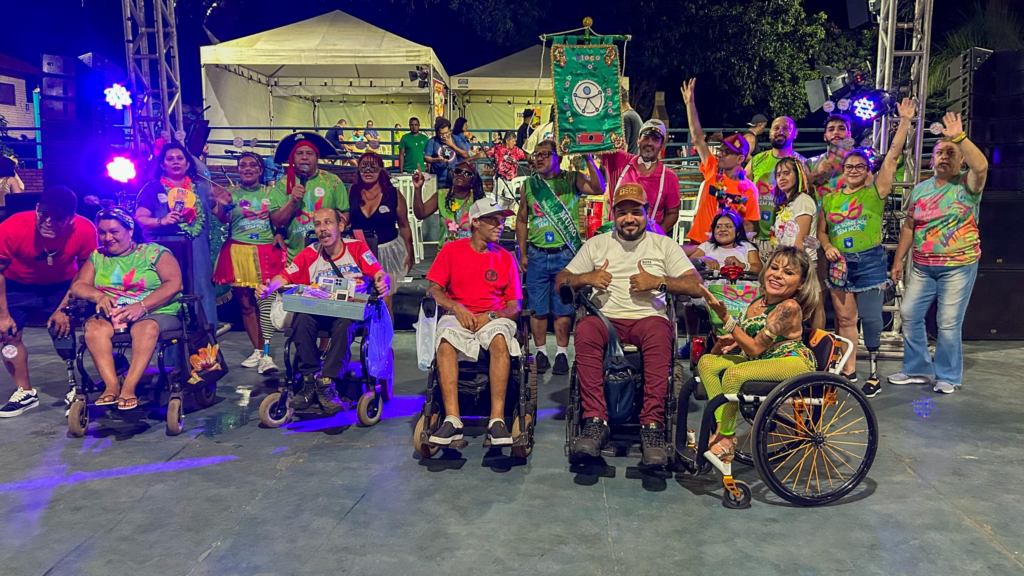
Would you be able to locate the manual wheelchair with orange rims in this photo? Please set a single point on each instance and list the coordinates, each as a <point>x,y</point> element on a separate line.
<point>474,386</point>
<point>374,377</point>
<point>199,364</point>
<point>812,438</point>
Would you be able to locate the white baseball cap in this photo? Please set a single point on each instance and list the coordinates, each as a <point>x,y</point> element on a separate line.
<point>487,207</point>
<point>654,125</point>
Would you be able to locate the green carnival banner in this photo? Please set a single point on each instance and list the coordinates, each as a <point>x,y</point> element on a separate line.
<point>588,115</point>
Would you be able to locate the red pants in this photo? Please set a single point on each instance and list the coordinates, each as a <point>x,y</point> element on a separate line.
<point>652,335</point>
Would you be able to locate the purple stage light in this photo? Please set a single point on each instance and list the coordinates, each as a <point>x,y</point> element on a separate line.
<point>864,108</point>
<point>397,407</point>
<point>76,477</point>
<point>117,96</point>
<point>121,169</point>
<point>923,407</point>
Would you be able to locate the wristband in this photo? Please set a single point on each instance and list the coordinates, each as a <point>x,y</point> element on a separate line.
<point>960,138</point>
<point>769,333</point>
<point>728,326</point>
<point>746,266</point>
<point>144,309</point>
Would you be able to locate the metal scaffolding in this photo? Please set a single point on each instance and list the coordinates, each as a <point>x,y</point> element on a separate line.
<point>151,47</point>
<point>904,40</point>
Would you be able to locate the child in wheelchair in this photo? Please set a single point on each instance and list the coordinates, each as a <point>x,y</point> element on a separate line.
<point>331,256</point>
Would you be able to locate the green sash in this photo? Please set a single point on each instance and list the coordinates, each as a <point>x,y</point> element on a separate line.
<point>557,213</point>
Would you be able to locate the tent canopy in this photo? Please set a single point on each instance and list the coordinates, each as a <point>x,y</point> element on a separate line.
<point>321,51</point>
<point>512,74</point>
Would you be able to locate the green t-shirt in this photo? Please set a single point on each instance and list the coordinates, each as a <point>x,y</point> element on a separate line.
<point>455,221</point>
<point>131,277</point>
<point>762,168</point>
<point>250,218</point>
<point>325,190</point>
<point>413,144</point>
<point>854,221</point>
<point>541,233</point>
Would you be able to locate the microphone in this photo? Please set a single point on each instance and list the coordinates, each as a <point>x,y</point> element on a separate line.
<point>302,177</point>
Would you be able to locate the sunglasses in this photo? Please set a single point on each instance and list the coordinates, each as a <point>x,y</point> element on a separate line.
<point>369,169</point>
<point>463,172</point>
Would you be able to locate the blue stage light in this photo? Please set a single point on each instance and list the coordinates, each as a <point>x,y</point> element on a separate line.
<point>865,108</point>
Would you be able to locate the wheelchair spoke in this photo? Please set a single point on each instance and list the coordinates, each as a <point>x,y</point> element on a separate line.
<point>829,461</point>
<point>791,452</point>
<point>824,461</point>
<point>847,433</point>
<point>798,467</point>
<point>839,456</point>
<point>814,470</point>
<point>849,443</point>
<point>845,427</point>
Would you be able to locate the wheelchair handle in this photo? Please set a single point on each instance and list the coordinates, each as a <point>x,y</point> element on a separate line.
<point>565,293</point>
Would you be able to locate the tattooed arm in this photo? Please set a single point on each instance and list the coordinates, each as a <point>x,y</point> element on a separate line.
<point>785,320</point>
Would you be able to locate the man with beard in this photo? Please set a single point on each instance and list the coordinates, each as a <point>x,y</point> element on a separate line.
<point>41,251</point>
<point>826,169</point>
<point>761,169</point>
<point>631,272</point>
<point>330,257</point>
<point>549,219</point>
<point>658,181</point>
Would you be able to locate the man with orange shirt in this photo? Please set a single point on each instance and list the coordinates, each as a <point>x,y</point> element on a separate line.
<point>725,185</point>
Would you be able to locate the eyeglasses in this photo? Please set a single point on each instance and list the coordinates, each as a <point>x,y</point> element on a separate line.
<point>542,155</point>
<point>855,167</point>
<point>463,172</point>
<point>369,169</point>
<point>50,217</point>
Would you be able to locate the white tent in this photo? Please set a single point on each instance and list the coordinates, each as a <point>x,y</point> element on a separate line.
<point>314,72</point>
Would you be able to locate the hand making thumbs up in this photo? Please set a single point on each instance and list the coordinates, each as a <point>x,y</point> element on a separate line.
<point>644,281</point>
<point>600,278</point>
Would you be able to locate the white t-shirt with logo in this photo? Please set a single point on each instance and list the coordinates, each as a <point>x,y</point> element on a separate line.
<point>659,255</point>
<point>785,229</point>
<point>719,253</point>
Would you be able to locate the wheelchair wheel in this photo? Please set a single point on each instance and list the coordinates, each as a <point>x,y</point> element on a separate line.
<point>207,396</point>
<point>175,417</point>
<point>814,439</point>
<point>78,418</point>
<point>522,451</point>
<point>423,449</point>
<point>272,413</point>
<point>729,500</point>
<point>744,441</point>
<point>369,409</point>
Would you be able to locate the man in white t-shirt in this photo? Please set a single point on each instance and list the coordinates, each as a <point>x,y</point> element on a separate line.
<point>330,257</point>
<point>631,271</point>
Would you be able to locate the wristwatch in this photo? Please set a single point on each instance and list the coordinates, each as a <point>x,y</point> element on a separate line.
<point>663,287</point>
<point>492,316</point>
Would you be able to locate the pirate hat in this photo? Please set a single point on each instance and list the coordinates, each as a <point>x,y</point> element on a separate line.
<point>285,146</point>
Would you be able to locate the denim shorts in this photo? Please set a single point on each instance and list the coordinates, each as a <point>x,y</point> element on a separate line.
<point>541,270</point>
<point>867,270</point>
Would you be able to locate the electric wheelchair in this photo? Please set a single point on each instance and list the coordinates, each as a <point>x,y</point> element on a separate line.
<point>275,410</point>
<point>197,374</point>
<point>623,415</point>
<point>811,438</point>
<point>474,393</point>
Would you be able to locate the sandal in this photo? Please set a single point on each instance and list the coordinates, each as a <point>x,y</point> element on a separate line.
<point>723,452</point>
<point>127,403</point>
<point>106,400</point>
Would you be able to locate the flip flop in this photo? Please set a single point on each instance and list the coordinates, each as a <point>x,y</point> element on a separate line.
<point>122,403</point>
<point>103,400</point>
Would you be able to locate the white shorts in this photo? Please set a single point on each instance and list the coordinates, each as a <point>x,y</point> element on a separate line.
<point>468,344</point>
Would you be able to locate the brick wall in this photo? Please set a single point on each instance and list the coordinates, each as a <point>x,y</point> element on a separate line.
<point>22,113</point>
<point>33,179</point>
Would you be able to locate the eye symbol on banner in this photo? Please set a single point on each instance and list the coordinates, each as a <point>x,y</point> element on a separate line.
<point>587,98</point>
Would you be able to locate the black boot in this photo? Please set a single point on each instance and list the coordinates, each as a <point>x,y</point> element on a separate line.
<point>305,397</point>
<point>327,395</point>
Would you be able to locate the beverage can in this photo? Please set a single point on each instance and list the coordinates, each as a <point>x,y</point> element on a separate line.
<point>120,326</point>
<point>10,351</point>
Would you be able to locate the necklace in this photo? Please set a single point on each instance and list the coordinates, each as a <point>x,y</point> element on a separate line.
<point>49,255</point>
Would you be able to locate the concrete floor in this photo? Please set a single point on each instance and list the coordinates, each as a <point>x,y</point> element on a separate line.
<point>328,497</point>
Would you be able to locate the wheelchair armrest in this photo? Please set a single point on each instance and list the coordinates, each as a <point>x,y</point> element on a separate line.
<point>430,307</point>
<point>189,298</point>
<point>79,307</point>
<point>527,314</point>
<point>566,294</point>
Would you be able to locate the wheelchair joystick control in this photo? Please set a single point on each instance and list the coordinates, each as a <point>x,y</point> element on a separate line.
<point>10,351</point>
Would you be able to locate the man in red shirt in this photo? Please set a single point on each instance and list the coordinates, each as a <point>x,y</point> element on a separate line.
<point>40,253</point>
<point>478,283</point>
<point>646,169</point>
<point>331,257</point>
<point>725,185</point>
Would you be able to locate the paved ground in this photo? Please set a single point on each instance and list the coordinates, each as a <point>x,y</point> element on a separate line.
<point>328,497</point>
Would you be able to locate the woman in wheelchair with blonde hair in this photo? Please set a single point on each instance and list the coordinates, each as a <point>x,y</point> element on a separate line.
<point>766,343</point>
<point>135,286</point>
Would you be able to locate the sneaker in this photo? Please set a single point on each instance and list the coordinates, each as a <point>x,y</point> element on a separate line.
<point>852,377</point>
<point>69,398</point>
<point>945,387</point>
<point>305,397</point>
<point>327,395</point>
<point>871,387</point>
<point>900,379</point>
<point>447,434</point>
<point>561,365</point>
<point>265,365</point>
<point>254,360</point>
<point>542,363</point>
<point>592,438</point>
<point>652,440</point>
<point>497,435</point>
<point>20,401</point>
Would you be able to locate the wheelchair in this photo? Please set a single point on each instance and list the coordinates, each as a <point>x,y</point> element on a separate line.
<point>180,380</point>
<point>811,438</point>
<point>275,410</point>
<point>474,396</point>
<point>625,431</point>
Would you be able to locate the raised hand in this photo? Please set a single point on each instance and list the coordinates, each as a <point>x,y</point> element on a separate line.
<point>643,281</point>
<point>717,306</point>
<point>418,178</point>
<point>600,278</point>
<point>906,108</point>
<point>688,90</point>
<point>952,125</point>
